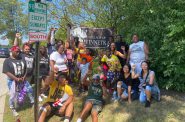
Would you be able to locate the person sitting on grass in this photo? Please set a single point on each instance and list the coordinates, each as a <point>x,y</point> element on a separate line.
<point>60,98</point>
<point>127,88</point>
<point>148,85</point>
<point>94,100</point>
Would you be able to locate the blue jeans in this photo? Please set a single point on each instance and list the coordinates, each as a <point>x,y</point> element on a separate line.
<point>13,92</point>
<point>155,93</point>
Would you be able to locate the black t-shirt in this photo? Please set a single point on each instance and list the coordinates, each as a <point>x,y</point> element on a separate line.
<point>118,48</point>
<point>127,81</point>
<point>15,66</point>
<point>29,59</point>
<point>44,65</point>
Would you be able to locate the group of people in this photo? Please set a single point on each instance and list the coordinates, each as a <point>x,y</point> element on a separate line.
<point>123,74</point>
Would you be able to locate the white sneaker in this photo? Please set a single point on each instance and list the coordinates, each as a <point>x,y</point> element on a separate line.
<point>43,95</point>
<point>15,112</point>
<point>66,120</point>
<point>40,99</point>
<point>79,120</point>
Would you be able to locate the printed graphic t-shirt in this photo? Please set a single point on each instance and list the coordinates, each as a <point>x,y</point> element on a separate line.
<point>15,66</point>
<point>111,62</point>
<point>57,91</point>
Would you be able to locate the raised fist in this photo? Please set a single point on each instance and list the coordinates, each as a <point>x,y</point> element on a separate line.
<point>17,35</point>
<point>133,67</point>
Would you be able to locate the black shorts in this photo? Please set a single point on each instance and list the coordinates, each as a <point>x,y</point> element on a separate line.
<point>54,110</point>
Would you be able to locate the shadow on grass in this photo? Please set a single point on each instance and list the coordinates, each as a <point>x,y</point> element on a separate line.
<point>170,108</point>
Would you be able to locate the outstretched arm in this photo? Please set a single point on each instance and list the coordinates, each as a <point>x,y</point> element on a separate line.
<point>17,39</point>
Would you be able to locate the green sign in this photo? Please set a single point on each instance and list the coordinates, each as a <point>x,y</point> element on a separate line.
<point>37,16</point>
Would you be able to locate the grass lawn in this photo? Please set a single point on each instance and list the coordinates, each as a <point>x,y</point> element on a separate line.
<point>170,109</point>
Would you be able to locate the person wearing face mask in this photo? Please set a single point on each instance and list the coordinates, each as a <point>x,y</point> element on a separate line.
<point>138,52</point>
<point>15,69</point>
<point>58,60</point>
<point>94,100</point>
<point>148,85</point>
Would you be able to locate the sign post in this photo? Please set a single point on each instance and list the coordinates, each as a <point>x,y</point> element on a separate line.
<point>37,23</point>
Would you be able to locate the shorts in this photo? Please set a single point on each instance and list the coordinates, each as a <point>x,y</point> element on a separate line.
<point>110,76</point>
<point>134,93</point>
<point>54,110</point>
<point>96,105</point>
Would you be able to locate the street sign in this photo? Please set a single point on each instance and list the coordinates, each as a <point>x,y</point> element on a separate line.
<point>37,36</point>
<point>37,16</point>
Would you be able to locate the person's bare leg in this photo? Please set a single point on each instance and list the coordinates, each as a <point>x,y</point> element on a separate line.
<point>69,110</point>
<point>94,116</point>
<point>85,110</point>
<point>119,89</point>
<point>44,113</point>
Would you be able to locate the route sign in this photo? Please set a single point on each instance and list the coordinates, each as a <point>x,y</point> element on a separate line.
<point>37,36</point>
<point>37,16</point>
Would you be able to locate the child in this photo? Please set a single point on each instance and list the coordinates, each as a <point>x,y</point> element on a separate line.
<point>114,66</point>
<point>84,69</point>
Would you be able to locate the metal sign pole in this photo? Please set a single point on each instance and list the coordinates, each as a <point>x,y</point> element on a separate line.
<point>36,82</point>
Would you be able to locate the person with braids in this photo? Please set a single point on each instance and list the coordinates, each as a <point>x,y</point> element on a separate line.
<point>148,85</point>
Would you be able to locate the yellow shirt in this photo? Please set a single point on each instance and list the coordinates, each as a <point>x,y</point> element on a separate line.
<point>82,51</point>
<point>56,91</point>
<point>113,62</point>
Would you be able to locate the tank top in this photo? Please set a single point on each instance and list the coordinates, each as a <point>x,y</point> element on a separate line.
<point>137,54</point>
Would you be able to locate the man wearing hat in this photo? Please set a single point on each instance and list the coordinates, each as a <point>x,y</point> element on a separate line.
<point>15,69</point>
<point>94,100</point>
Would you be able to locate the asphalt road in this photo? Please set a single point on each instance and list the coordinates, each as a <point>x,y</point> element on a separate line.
<point>3,89</point>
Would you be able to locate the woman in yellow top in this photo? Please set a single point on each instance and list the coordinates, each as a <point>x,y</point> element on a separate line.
<point>114,67</point>
<point>59,93</point>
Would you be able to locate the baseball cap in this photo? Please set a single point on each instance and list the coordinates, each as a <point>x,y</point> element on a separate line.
<point>14,49</point>
<point>96,77</point>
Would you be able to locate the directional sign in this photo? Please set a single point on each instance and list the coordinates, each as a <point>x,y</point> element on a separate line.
<point>37,36</point>
<point>37,16</point>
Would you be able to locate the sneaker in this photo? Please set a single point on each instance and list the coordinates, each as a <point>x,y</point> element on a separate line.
<point>40,99</point>
<point>15,112</point>
<point>66,120</point>
<point>79,120</point>
<point>147,104</point>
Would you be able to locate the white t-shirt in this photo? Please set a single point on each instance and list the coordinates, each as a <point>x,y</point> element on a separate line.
<point>137,53</point>
<point>59,60</point>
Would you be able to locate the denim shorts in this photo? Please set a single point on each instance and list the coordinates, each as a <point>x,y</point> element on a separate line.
<point>154,91</point>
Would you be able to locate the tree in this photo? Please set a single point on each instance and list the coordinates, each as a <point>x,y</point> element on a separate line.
<point>12,19</point>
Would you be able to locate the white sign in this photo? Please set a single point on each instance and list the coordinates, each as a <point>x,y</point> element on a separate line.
<point>37,16</point>
<point>37,36</point>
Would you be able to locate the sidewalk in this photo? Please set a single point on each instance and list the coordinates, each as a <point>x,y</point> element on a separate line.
<point>3,90</point>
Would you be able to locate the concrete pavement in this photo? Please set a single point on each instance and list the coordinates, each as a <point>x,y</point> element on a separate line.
<point>3,90</point>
